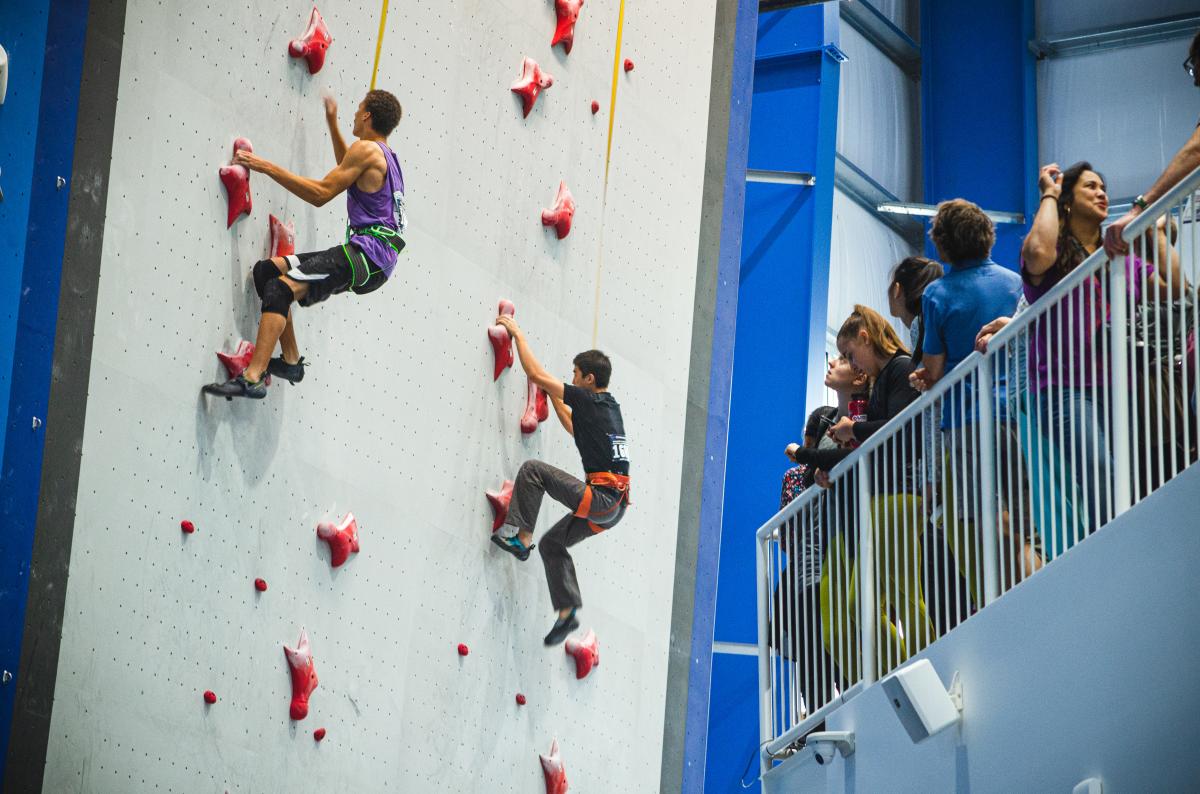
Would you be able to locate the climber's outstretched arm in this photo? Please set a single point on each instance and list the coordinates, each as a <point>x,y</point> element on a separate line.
<point>315,191</point>
<point>564,414</point>
<point>537,373</point>
<point>335,135</point>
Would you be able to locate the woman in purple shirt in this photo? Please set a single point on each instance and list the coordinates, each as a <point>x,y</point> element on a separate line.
<point>1067,357</point>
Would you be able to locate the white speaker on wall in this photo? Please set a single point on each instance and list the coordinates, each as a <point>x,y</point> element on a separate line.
<point>922,704</point>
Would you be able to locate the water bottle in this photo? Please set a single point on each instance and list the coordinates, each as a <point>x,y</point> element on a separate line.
<point>858,412</point>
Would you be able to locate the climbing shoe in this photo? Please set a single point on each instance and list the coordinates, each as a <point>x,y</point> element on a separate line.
<point>562,627</point>
<point>514,546</point>
<point>237,387</point>
<point>293,373</point>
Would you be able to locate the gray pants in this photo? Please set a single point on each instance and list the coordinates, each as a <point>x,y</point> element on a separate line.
<point>535,479</point>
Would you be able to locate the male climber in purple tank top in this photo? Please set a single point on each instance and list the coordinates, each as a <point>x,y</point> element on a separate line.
<point>369,173</point>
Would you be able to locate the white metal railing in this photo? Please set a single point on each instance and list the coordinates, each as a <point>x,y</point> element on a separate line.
<point>1083,404</point>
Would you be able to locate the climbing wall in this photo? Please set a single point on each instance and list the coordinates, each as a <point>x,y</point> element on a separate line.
<point>398,419</point>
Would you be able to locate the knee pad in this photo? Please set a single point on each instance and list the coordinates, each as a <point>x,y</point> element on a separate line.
<point>264,271</point>
<point>277,297</point>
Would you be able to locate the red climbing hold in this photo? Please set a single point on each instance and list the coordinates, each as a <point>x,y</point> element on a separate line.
<point>520,699</point>
<point>283,237</point>
<point>463,650</point>
<point>313,45</point>
<point>236,179</point>
<point>500,500</point>
<point>187,526</point>
<point>536,409</point>
<point>586,652</point>
<point>304,675</point>
<point>552,768</point>
<point>239,359</point>
<point>210,697</point>
<point>568,15</point>
<point>531,83</point>
<point>342,539</point>
<point>319,734</point>
<point>260,585</point>
<point>502,345</point>
<point>560,215</point>
<point>595,107</point>
<point>628,65</point>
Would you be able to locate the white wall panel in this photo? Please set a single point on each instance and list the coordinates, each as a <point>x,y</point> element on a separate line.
<point>397,420</point>
<point>863,251</point>
<point>1126,110</point>
<point>879,117</point>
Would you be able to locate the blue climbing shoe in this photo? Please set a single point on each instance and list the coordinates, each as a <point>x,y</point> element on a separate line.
<point>514,546</point>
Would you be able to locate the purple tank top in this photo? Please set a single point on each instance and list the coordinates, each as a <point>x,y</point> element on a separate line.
<point>384,207</point>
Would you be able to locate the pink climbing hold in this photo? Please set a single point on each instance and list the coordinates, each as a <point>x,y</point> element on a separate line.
<point>595,107</point>
<point>560,215</point>
<point>319,734</point>
<point>568,15</point>
<point>628,65</point>
<point>283,237</point>
<point>313,45</point>
<point>463,650</point>
<point>260,585</point>
<point>239,359</point>
<point>500,500</point>
<point>520,699</point>
<point>236,179</point>
<point>552,769</point>
<point>304,675</point>
<point>502,345</point>
<point>586,652</point>
<point>536,409</point>
<point>210,697</point>
<point>187,526</point>
<point>342,539</point>
<point>531,83</point>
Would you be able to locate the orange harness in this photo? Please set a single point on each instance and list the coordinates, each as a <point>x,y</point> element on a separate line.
<point>603,479</point>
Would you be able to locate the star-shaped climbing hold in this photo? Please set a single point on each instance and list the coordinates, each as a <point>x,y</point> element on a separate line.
<point>559,216</point>
<point>313,45</point>
<point>304,675</point>
<point>586,652</point>
<point>283,237</point>
<point>552,768</point>
<point>500,500</point>
<point>568,15</point>
<point>502,346</point>
<point>531,83</point>
<point>236,179</point>
<point>342,539</point>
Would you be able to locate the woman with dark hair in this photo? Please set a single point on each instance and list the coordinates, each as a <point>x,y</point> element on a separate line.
<point>1067,366</point>
<point>909,280</point>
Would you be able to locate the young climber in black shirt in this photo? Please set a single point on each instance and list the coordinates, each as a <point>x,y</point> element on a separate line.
<point>589,413</point>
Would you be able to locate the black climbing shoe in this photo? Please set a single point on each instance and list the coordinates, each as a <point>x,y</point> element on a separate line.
<point>293,373</point>
<point>514,546</point>
<point>237,387</point>
<point>562,627</point>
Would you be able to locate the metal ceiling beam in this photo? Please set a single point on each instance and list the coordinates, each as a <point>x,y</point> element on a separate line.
<point>778,5</point>
<point>1146,32</point>
<point>929,210</point>
<point>881,32</point>
<point>780,177</point>
<point>869,194</point>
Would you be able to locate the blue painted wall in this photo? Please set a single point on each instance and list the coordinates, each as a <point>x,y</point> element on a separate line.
<point>49,143</point>
<point>23,36</point>
<point>979,109</point>
<point>781,298</point>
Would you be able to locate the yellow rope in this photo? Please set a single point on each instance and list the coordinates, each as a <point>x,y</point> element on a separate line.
<point>612,117</point>
<point>379,43</point>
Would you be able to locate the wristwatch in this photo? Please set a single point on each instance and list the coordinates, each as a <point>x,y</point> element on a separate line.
<point>1140,202</point>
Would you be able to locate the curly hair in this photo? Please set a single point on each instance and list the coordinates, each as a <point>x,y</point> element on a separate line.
<point>385,111</point>
<point>961,231</point>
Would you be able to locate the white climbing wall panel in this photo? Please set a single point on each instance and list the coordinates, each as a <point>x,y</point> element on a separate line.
<point>397,420</point>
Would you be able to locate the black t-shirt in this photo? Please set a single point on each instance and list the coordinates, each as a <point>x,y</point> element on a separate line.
<point>599,430</point>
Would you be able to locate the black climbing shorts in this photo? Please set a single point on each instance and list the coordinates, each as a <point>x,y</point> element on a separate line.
<point>341,268</point>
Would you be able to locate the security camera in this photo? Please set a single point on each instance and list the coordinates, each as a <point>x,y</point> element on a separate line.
<point>920,700</point>
<point>827,744</point>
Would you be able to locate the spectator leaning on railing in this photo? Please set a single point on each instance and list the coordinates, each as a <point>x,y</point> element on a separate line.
<point>1183,163</point>
<point>909,280</point>
<point>974,291</point>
